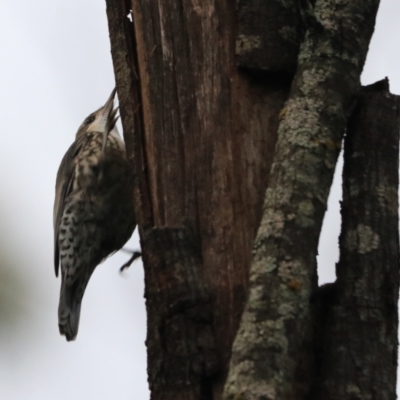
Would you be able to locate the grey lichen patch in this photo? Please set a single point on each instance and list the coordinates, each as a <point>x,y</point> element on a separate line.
<point>262,265</point>
<point>306,208</point>
<point>260,391</point>
<point>271,226</point>
<point>277,195</point>
<point>246,336</point>
<point>302,125</point>
<point>305,175</point>
<point>301,115</point>
<point>254,338</point>
<point>362,239</point>
<point>287,310</point>
<point>311,78</point>
<point>236,387</point>
<point>289,33</point>
<point>300,133</point>
<point>289,269</point>
<point>267,337</point>
<point>326,47</point>
<point>250,391</point>
<point>306,214</point>
<point>387,197</point>
<point>291,217</point>
<point>259,334</point>
<point>354,391</point>
<point>247,43</point>
<point>257,297</point>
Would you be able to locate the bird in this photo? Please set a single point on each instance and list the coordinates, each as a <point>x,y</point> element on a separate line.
<point>93,215</point>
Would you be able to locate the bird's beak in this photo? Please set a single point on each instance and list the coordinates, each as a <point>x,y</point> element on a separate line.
<point>109,117</point>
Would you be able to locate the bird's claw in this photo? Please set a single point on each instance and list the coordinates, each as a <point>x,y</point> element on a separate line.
<point>135,255</point>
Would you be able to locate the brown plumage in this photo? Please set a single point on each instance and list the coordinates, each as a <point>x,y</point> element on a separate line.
<point>93,209</point>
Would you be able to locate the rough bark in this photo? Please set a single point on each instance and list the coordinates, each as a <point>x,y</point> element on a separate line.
<point>201,85</point>
<point>272,356</point>
<point>269,34</point>
<point>201,136</point>
<point>358,354</point>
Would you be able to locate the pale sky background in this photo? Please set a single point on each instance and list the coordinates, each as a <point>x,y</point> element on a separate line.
<point>55,69</point>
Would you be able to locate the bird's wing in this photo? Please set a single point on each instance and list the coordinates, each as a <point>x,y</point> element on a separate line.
<point>64,184</point>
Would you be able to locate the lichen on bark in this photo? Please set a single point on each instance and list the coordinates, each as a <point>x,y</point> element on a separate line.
<point>275,335</point>
<point>360,332</point>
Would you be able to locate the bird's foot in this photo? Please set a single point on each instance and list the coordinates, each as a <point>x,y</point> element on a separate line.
<point>135,255</point>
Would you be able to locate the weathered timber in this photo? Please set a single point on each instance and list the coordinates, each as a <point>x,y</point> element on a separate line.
<point>201,135</point>
<point>358,349</point>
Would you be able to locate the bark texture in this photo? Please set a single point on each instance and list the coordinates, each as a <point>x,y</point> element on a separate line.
<point>201,85</point>
<point>269,34</point>
<point>201,136</point>
<point>272,357</point>
<point>358,356</point>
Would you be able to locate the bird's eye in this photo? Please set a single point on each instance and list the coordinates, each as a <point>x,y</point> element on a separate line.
<point>89,119</point>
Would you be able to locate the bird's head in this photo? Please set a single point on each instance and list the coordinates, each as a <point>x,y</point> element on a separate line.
<point>102,120</point>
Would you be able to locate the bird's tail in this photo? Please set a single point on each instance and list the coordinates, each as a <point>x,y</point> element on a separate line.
<point>69,310</point>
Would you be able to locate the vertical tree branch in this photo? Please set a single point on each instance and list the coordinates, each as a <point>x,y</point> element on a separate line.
<point>359,349</point>
<point>271,353</point>
<point>119,14</point>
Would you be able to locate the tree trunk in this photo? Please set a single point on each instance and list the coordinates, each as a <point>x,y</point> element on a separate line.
<point>202,88</point>
<point>358,355</point>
